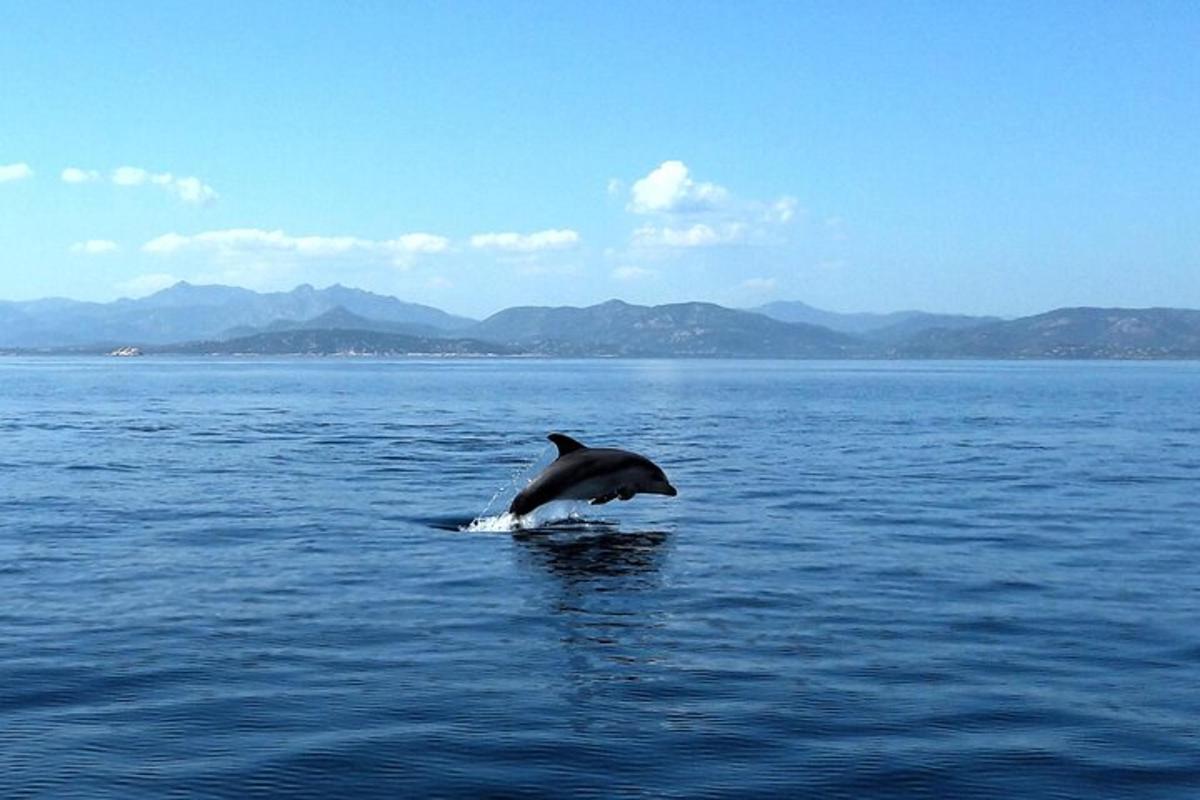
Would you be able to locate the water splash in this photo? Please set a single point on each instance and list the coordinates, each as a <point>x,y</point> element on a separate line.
<point>490,522</point>
<point>500,523</point>
<point>541,517</point>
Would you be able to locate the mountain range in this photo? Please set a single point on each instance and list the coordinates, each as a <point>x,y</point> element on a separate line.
<point>185,312</point>
<point>190,319</point>
<point>616,328</point>
<point>1067,333</point>
<point>885,327</point>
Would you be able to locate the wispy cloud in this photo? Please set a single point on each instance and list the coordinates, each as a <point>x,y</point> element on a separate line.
<point>836,228</point>
<point>77,175</point>
<point>15,172</point>
<point>130,176</point>
<point>415,243</point>
<point>256,242</point>
<point>698,235</point>
<point>633,273</point>
<point>258,274</point>
<point>759,284</point>
<point>554,239</point>
<point>94,247</point>
<point>189,189</point>
<point>143,285</point>
<point>782,210</point>
<point>536,269</point>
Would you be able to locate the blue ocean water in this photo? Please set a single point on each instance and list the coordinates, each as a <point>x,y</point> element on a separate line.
<point>879,580</point>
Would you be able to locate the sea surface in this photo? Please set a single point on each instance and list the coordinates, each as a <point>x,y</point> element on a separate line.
<point>247,579</point>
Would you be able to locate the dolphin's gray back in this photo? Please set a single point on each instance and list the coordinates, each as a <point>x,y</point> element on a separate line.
<point>580,475</point>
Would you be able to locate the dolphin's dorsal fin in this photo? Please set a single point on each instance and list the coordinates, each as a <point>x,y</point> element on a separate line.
<point>564,443</point>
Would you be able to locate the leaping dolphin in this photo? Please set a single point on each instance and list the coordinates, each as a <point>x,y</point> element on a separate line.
<point>591,473</point>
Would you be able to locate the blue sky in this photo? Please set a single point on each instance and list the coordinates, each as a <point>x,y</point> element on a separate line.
<point>996,158</point>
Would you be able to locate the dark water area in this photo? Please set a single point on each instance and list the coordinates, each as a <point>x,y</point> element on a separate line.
<point>879,580</point>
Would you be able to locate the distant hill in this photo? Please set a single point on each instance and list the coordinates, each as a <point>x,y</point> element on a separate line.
<point>338,319</point>
<point>186,312</point>
<point>617,328</point>
<point>224,319</point>
<point>915,322</point>
<point>892,327</point>
<point>1068,333</point>
<point>336,342</point>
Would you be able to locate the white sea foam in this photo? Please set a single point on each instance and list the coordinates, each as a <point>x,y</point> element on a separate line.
<point>541,517</point>
<point>501,523</point>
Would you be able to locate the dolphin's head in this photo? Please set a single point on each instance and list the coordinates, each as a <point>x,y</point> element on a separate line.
<point>656,483</point>
<point>665,488</point>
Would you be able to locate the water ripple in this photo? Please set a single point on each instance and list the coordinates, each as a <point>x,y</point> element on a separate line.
<point>260,579</point>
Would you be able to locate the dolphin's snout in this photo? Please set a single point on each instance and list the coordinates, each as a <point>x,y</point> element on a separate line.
<point>670,491</point>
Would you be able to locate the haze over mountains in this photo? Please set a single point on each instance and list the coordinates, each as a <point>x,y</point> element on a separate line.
<point>339,320</point>
<point>184,312</point>
<point>895,325</point>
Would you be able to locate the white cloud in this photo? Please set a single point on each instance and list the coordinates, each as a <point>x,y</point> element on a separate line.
<point>189,189</point>
<point>686,213</point>
<point>782,210</point>
<point>15,172</point>
<point>250,239</point>
<point>77,175</point>
<point>94,247</point>
<point>526,243</point>
<point>615,186</point>
<point>256,273</point>
<point>759,284</point>
<point>698,235</point>
<point>418,243</point>
<point>129,176</point>
<point>633,273</point>
<point>669,189</point>
<point>232,243</point>
<point>143,285</point>
<point>439,282</point>
<point>192,190</point>
<point>167,243</point>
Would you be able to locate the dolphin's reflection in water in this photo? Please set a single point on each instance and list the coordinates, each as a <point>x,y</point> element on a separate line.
<point>575,553</point>
<point>604,604</point>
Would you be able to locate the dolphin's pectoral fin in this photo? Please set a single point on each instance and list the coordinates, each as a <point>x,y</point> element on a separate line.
<point>625,493</point>
<point>602,499</point>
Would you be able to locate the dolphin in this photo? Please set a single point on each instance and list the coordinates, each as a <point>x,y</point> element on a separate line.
<point>591,473</point>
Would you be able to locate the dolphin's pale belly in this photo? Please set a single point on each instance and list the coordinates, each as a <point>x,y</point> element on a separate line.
<point>601,485</point>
